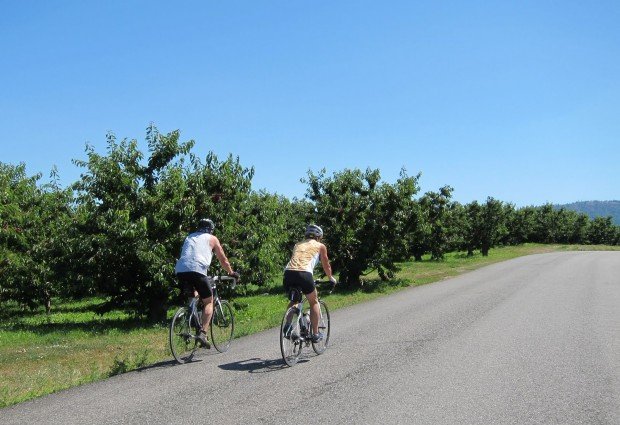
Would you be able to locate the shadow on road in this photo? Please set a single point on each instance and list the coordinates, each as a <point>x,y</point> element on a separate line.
<point>197,358</point>
<point>255,365</point>
<point>159,365</point>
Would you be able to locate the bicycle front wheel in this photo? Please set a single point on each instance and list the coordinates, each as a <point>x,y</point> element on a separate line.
<point>182,342</point>
<point>290,336</point>
<point>222,326</point>
<point>321,346</point>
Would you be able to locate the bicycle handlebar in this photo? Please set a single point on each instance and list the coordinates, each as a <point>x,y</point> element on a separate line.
<point>226,279</point>
<point>332,285</point>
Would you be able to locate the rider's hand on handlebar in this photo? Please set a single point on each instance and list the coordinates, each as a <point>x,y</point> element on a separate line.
<point>235,275</point>
<point>333,280</point>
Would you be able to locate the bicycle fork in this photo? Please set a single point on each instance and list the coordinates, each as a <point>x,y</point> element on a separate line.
<point>218,318</point>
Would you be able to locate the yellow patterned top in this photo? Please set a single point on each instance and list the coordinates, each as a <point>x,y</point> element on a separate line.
<point>305,256</point>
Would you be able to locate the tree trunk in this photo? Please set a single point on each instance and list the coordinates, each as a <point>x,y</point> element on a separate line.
<point>158,308</point>
<point>48,302</point>
<point>351,279</point>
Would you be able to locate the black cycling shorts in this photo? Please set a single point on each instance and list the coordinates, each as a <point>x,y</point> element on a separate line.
<point>191,281</point>
<point>297,279</point>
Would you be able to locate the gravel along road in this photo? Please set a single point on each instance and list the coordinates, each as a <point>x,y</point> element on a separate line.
<point>535,340</point>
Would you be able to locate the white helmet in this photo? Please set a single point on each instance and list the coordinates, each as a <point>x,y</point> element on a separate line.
<point>314,230</point>
<point>206,225</point>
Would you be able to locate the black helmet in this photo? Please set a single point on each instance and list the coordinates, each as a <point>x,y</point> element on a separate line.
<point>314,230</point>
<point>206,225</point>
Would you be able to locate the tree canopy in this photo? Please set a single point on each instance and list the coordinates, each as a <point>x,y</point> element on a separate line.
<point>118,229</point>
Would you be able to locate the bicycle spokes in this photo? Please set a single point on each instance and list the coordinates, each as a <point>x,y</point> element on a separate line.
<point>182,342</point>
<point>222,326</point>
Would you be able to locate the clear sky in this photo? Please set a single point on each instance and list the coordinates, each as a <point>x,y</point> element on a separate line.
<point>515,100</point>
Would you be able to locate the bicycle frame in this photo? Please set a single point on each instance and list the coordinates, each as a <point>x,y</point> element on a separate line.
<point>304,317</point>
<point>303,296</point>
<point>293,336</point>
<point>188,321</point>
<point>217,303</point>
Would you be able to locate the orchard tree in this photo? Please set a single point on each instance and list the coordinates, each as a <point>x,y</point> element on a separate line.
<point>298,214</point>
<point>522,226</point>
<point>364,220</point>
<point>418,230</point>
<point>601,230</point>
<point>135,215</point>
<point>437,205</point>
<point>259,247</point>
<point>401,218</point>
<point>510,221</point>
<point>472,228</point>
<point>578,228</point>
<point>420,238</point>
<point>492,225</point>
<point>254,227</point>
<point>131,216</point>
<point>571,226</point>
<point>33,251</point>
<point>18,196</point>
<point>455,222</point>
<point>546,224</point>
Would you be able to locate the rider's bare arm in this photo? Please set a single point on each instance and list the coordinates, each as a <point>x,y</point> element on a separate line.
<point>327,268</point>
<point>221,256</point>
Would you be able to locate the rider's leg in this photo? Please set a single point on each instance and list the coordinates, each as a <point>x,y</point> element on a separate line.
<point>207,312</point>
<point>288,287</point>
<point>289,317</point>
<point>315,311</point>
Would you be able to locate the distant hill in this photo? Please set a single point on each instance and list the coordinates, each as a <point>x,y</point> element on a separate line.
<point>596,209</point>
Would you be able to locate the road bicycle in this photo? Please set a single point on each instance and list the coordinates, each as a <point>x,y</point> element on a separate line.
<point>296,332</point>
<point>187,322</point>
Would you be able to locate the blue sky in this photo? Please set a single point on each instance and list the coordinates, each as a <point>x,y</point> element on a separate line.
<point>515,100</point>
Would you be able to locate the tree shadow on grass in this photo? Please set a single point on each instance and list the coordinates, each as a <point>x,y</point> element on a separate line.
<point>96,326</point>
<point>465,256</point>
<point>11,310</point>
<point>257,365</point>
<point>370,286</point>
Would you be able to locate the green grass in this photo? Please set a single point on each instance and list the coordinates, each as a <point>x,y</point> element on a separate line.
<point>41,354</point>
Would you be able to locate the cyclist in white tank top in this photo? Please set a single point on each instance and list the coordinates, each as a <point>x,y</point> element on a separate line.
<point>196,253</point>
<point>193,264</point>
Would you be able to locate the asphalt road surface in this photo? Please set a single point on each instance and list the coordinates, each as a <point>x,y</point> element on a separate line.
<point>535,340</point>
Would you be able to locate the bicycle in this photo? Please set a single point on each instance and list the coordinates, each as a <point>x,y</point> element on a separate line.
<point>187,322</point>
<point>294,337</point>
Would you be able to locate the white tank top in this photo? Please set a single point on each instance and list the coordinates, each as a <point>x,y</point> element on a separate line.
<point>196,254</point>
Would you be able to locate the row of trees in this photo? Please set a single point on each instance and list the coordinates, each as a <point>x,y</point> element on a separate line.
<point>117,231</point>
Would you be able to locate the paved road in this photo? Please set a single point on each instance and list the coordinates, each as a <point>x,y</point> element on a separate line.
<point>535,340</point>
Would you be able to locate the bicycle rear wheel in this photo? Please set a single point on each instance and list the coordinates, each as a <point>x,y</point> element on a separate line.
<point>182,342</point>
<point>324,328</point>
<point>222,326</point>
<point>290,337</point>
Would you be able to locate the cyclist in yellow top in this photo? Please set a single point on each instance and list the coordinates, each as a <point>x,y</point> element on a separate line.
<point>299,273</point>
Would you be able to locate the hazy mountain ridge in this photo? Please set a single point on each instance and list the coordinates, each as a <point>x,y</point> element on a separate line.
<point>596,209</point>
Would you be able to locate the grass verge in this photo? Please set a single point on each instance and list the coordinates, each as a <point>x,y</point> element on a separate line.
<point>41,354</point>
